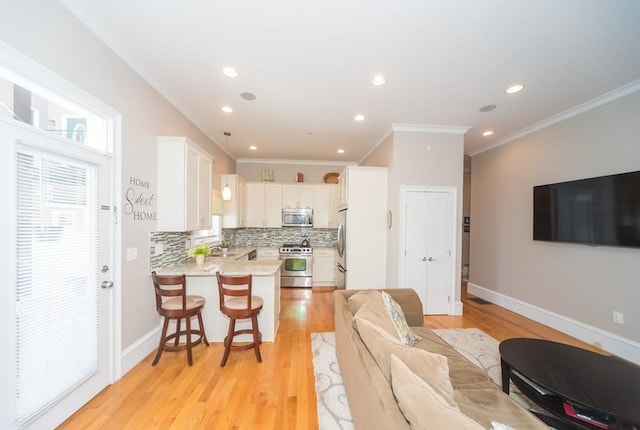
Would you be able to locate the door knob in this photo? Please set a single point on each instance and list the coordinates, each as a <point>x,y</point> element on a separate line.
<point>107,284</point>
<point>432,259</point>
<point>424,259</point>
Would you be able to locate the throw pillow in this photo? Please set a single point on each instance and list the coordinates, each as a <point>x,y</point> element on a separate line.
<point>421,405</point>
<point>431,367</point>
<point>399,321</point>
<point>373,310</point>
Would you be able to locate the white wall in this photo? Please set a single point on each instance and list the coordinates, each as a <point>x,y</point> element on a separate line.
<point>46,32</point>
<point>584,284</point>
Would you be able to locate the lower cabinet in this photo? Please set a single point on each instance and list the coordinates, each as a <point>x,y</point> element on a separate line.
<point>324,263</point>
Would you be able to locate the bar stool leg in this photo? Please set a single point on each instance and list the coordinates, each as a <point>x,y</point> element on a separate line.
<point>165,325</point>
<point>204,335</point>
<point>227,341</point>
<point>178,331</point>
<point>189,355</point>
<point>256,337</point>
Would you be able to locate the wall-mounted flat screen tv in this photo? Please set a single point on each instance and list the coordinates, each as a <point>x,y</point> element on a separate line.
<point>595,211</point>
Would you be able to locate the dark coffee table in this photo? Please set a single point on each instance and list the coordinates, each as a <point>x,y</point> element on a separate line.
<point>555,375</point>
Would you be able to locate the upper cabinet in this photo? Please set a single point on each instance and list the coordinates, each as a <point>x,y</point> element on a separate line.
<point>325,206</point>
<point>260,204</point>
<point>234,212</point>
<point>343,180</point>
<point>184,185</point>
<point>264,205</point>
<point>297,196</point>
<point>334,204</point>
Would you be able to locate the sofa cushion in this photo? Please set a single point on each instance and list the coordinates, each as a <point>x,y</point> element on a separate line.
<point>462,373</point>
<point>358,299</point>
<point>421,405</point>
<point>373,310</point>
<point>399,321</point>
<point>485,405</point>
<point>430,367</point>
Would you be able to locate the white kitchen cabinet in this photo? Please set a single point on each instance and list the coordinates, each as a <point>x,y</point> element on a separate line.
<point>184,185</point>
<point>264,205</point>
<point>234,212</point>
<point>325,208</point>
<point>268,254</point>
<point>297,196</point>
<point>334,202</point>
<point>324,264</point>
<point>343,182</point>
<point>366,226</point>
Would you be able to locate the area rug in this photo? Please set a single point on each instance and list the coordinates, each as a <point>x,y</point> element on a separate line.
<point>333,407</point>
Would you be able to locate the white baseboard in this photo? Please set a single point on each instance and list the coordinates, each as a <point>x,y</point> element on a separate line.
<point>457,308</point>
<point>617,345</point>
<point>139,350</point>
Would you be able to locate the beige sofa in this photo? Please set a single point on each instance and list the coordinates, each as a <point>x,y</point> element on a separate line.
<point>370,395</point>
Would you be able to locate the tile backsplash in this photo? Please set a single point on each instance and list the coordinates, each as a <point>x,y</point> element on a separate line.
<point>175,244</point>
<point>321,237</point>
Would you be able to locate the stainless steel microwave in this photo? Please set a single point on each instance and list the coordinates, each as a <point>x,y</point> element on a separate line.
<point>297,217</point>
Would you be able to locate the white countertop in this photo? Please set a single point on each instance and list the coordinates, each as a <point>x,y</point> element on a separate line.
<point>234,264</point>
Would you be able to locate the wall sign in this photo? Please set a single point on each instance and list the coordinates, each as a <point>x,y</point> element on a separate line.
<point>139,200</point>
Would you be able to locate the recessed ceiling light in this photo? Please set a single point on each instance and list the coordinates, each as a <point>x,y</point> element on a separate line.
<point>514,89</point>
<point>226,109</point>
<point>230,72</point>
<point>487,133</point>
<point>359,117</point>
<point>378,80</point>
<point>253,147</point>
<point>340,151</point>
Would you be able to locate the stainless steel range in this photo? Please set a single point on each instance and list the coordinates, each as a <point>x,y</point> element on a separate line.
<point>297,265</point>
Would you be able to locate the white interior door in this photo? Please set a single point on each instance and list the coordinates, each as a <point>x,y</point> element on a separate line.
<point>57,252</point>
<point>428,238</point>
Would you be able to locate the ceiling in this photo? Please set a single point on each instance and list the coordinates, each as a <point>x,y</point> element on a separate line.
<point>309,65</point>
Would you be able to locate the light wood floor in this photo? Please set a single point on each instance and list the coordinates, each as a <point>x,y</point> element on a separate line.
<point>275,394</point>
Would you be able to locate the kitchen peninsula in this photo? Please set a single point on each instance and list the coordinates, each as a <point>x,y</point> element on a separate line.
<point>201,280</point>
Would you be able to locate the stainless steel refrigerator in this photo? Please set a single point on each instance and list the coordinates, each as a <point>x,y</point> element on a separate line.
<point>341,273</point>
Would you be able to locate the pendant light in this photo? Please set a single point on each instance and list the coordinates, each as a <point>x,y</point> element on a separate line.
<point>226,191</point>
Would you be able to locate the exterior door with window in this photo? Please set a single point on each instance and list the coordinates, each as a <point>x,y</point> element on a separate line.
<point>57,271</point>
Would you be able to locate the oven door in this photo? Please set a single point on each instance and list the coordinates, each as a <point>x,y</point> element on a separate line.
<point>296,271</point>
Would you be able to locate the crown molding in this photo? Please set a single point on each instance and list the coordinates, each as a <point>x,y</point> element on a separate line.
<point>425,128</point>
<point>297,162</point>
<point>387,132</point>
<point>609,97</point>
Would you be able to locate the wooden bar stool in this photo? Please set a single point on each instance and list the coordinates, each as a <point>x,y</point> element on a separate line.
<point>236,302</point>
<point>173,303</point>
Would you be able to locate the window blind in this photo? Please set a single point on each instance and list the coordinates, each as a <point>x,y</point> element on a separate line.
<point>57,279</point>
